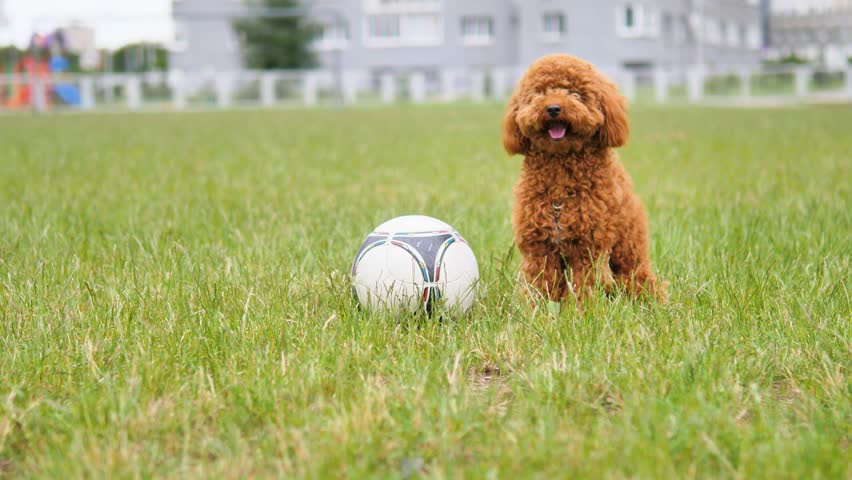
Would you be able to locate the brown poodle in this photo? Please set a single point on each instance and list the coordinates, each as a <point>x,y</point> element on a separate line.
<point>575,214</point>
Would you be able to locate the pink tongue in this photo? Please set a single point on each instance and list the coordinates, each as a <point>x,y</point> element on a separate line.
<point>557,132</point>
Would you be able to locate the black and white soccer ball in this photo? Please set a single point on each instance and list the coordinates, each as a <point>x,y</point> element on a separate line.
<point>413,263</point>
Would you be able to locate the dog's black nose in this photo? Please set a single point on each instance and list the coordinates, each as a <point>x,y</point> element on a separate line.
<point>554,110</point>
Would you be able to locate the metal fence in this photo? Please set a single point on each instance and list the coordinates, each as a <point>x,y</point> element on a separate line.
<point>175,90</point>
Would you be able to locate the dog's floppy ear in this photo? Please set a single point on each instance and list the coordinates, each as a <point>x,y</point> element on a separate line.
<point>616,129</point>
<point>513,140</point>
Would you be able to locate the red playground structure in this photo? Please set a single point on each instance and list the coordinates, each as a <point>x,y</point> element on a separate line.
<point>22,92</point>
<point>32,72</point>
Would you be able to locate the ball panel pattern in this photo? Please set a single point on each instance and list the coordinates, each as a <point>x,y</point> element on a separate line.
<point>412,263</point>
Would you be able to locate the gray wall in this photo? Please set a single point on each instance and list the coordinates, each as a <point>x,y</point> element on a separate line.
<point>210,42</point>
<point>452,53</point>
<point>824,36</point>
<point>590,33</point>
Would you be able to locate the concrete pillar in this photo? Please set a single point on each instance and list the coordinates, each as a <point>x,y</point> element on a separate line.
<point>803,76</point>
<point>177,82</point>
<point>388,86</point>
<point>745,83</point>
<point>448,85</point>
<point>267,89</point>
<point>661,86</point>
<point>108,84</point>
<point>628,85</point>
<point>477,85</point>
<point>39,93</point>
<point>848,89</point>
<point>500,84</point>
<point>223,86</point>
<point>133,91</point>
<point>310,88</point>
<point>695,84</point>
<point>417,85</point>
<point>87,93</point>
<point>350,80</point>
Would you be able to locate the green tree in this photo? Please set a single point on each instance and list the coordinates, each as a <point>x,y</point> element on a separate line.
<point>791,59</point>
<point>10,55</point>
<point>140,57</point>
<point>270,42</point>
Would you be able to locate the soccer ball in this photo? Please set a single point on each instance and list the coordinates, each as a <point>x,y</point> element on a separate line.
<point>413,263</point>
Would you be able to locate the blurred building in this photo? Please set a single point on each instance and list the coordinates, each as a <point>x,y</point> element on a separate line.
<point>79,38</point>
<point>3,20</point>
<point>642,35</point>
<point>821,33</point>
<point>430,35</point>
<point>204,39</point>
<point>804,6</point>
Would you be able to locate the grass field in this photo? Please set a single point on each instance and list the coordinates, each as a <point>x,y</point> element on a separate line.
<point>174,303</point>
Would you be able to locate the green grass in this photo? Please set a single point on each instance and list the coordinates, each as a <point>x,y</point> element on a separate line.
<point>174,303</point>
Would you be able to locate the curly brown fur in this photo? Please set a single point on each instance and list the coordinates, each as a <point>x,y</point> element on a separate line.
<point>575,211</point>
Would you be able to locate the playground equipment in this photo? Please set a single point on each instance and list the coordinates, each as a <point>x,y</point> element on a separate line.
<point>26,72</point>
<point>33,76</point>
<point>66,92</point>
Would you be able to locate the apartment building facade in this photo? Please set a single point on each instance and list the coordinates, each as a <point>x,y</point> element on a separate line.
<point>377,35</point>
<point>822,35</point>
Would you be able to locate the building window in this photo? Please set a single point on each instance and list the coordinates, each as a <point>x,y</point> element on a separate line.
<point>732,34</point>
<point>630,20</point>
<point>684,31</point>
<point>332,37</point>
<point>713,31</point>
<point>668,25</point>
<point>477,30</point>
<point>407,5</point>
<point>383,26</point>
<point>404,29</point>
<point>181,39</point>
<point>651,28</point>
<point>553,26</point>
<point>753,37</point>
<point>629,17</point>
